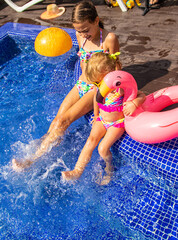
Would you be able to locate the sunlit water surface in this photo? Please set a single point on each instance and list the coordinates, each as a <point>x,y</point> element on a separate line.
<point>37,204</point>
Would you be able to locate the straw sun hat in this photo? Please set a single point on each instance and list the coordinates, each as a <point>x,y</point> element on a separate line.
<point>52,12</point>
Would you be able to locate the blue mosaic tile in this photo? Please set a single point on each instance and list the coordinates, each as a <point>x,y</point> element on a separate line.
<point>155,214</point>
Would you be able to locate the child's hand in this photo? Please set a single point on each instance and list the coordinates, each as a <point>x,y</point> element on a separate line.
<point>94,118</point>
<point>129,108</point>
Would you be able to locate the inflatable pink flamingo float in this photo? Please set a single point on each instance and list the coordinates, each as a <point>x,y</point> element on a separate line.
<point>147,124</point>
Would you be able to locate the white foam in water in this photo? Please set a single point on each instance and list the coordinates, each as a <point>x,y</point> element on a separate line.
<point>25,151</point>
<point>21,195</point>
<point>35,204</point>
<point>59,163</point>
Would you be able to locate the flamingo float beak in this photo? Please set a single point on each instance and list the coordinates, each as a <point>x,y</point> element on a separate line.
<point>103,90</point>
<point>114,80</point>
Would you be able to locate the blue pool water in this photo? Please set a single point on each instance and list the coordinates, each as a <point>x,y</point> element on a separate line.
<point>140,203</point>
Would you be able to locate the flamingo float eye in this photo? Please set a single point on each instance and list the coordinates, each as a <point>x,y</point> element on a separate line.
<point>118,84</point>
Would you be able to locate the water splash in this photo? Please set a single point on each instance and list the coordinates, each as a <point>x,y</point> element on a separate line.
<point>59,163</point>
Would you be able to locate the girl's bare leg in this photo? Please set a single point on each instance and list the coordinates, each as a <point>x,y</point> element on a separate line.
<point>112,135</point>
<point>97,132</point>
<point>71,109</point>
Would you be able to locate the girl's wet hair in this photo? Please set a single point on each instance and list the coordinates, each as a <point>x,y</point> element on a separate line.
<point>99,65</point>
<point>85,11</point>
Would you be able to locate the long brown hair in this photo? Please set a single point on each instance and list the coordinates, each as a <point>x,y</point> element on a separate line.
<point>85,11</point>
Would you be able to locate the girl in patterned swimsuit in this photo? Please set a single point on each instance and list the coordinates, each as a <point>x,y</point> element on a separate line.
<point>91,38</point>
<point>108,117</point>
<point>82,86</point>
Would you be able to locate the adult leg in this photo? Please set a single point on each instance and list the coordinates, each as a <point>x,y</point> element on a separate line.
<point>111,136</point>
<point>97,132</point>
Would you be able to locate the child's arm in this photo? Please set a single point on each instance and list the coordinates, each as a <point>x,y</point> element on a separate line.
<point>113,46</point>
<point>131,106</point>
<point>112,43</point>
<point>95,107</point>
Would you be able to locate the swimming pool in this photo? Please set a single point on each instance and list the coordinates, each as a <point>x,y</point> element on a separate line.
<point>140,203</point>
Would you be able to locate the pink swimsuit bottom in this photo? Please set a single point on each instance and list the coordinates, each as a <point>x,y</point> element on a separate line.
<point>118,123</point>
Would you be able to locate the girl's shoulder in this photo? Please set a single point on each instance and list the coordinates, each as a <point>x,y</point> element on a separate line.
<point>110,40</point>
<point>110,37</point>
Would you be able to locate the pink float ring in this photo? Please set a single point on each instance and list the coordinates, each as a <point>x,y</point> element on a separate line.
<point>147,124</point>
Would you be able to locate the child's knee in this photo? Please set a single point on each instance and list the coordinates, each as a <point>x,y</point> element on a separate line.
<point>103,151</point>
<point>92,141</point>
<point>63,121</point>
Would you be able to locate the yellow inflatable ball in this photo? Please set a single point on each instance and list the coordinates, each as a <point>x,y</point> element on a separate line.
<point>52,42</point>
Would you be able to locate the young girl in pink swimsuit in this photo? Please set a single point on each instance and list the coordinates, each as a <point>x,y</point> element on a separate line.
<point>108,117</point>
<point>91,38</point>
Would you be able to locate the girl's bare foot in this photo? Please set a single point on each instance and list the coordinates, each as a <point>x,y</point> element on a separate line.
<point>105,180</point>
<point>20,166</point>
<point>109,169</point>
<point>71,175</point>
